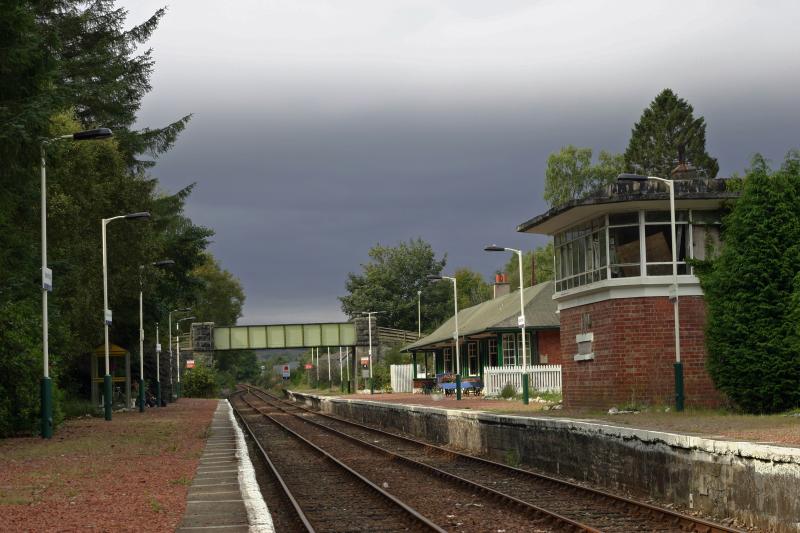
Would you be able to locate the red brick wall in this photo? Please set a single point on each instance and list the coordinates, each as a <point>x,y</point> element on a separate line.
<point>549,344</point>
<point>634,352</point>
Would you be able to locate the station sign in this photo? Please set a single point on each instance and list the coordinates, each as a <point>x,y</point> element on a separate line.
<point>47,279</point>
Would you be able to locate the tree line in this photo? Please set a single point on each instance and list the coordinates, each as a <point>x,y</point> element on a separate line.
<point>67,66</point>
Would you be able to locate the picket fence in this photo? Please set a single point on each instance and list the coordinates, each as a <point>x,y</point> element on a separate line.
<point>402,377</point>
<point>542,377</point>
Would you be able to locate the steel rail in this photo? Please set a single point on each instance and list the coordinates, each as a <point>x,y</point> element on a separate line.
<point>300,515</point>
<point>564,523</point>
<point>414,514</point>
<point>697,525</point>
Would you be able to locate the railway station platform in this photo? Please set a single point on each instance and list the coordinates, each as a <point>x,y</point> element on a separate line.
<point>745,468</point>
<point>224,494</point>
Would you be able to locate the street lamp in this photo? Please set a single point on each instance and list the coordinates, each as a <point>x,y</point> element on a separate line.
<point>178,348</point>
<point>419,314</point>
<point>158,367</point>
<point>179,310</point>
<point>106,310</point>
<point>679,397</point>
<point>47,275</point>
<point>369,323</point>
<point>520,320</point>
<point>431,277</point>
<point>157,264</point>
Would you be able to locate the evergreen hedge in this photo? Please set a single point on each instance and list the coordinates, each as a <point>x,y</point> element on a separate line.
<point>753,293</point>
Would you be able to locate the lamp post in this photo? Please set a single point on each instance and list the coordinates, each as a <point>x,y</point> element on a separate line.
<point>158,264</point>
<point>455,336</point>
<point>158,367</point>
<point>520,320</point>
<point>679,396</point>
<point>106,310</point>
<point>169,326</point>
<point>178,351</point>
<point>47,275</point>
<point>369,326</point>
<point>419,314</point>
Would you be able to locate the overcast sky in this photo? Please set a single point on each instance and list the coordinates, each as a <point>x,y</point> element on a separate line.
<point>324,127</point>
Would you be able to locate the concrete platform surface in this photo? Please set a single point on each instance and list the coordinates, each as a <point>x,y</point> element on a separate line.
<point>224,494</point>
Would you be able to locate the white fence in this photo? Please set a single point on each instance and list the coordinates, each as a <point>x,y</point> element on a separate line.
<point>542,377</point>
<point>402,378</point>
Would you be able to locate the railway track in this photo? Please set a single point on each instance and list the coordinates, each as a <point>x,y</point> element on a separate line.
<point>600,510</point>
<point>325,495</point>
<point>452,503</point>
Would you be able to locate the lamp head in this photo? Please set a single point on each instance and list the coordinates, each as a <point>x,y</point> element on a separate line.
<point>631,177</point>
<point>144,215</point>
<point>92,135</point>
<point>433,277</point>
<point>494,248</point>
<point>164,263</point>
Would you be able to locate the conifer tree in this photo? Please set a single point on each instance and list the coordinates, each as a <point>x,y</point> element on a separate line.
<point>667,131</point>
<point>753,293</point>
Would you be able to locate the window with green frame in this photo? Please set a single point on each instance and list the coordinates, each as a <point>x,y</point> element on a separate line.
<point>493,359</point>
<point>447,356</point>
<point>472,358</point>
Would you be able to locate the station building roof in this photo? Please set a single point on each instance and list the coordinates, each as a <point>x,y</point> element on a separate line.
<point>498,314</point>
<point>624,196</point>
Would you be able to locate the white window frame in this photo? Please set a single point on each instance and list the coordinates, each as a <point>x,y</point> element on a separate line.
<point>509,347</point>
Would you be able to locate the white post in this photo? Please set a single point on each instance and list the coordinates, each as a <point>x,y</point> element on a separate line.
<point>369,326</point>
<point>329,366</point>
<point>341,373</point>
<point>169,345</point>
<point>671,186</point>
<point>105,293</point>
<point>455,302</point>
<point>178,352</point>
<point>45,320</point>
<point>141,337</point>
<point>158,360</point>
<point>522,313</point>
<point>317,365</point>
<point>419,314</point>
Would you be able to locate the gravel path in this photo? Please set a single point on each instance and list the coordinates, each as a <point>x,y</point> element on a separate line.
<point>130,474</point>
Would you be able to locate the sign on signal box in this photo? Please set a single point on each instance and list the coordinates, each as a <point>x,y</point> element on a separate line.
<point>286,372</point>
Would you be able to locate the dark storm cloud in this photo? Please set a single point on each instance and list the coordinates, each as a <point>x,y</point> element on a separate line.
<point>325,130</point>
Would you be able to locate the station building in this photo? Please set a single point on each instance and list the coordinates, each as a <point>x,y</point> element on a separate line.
<point>613,283</point>
<point>490,337</point>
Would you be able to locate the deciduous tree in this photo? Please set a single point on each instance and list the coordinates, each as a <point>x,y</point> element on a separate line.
<point>570,174</point>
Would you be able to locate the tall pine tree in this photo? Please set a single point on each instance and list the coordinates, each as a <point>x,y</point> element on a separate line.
<point>666,131</point>
<point>752,293</point>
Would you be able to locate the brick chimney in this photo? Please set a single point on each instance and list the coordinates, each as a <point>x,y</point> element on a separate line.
<point>501,285</point>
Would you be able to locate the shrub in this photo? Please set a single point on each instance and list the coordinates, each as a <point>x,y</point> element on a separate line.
<point>200,382</point>
<point>508,391</point>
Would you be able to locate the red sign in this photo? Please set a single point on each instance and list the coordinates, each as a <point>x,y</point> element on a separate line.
<point>190,363</point>
<point>365,361</point>
<point>309,366</point>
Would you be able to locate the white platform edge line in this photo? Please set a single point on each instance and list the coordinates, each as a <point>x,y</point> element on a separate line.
<point>257,512</point>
